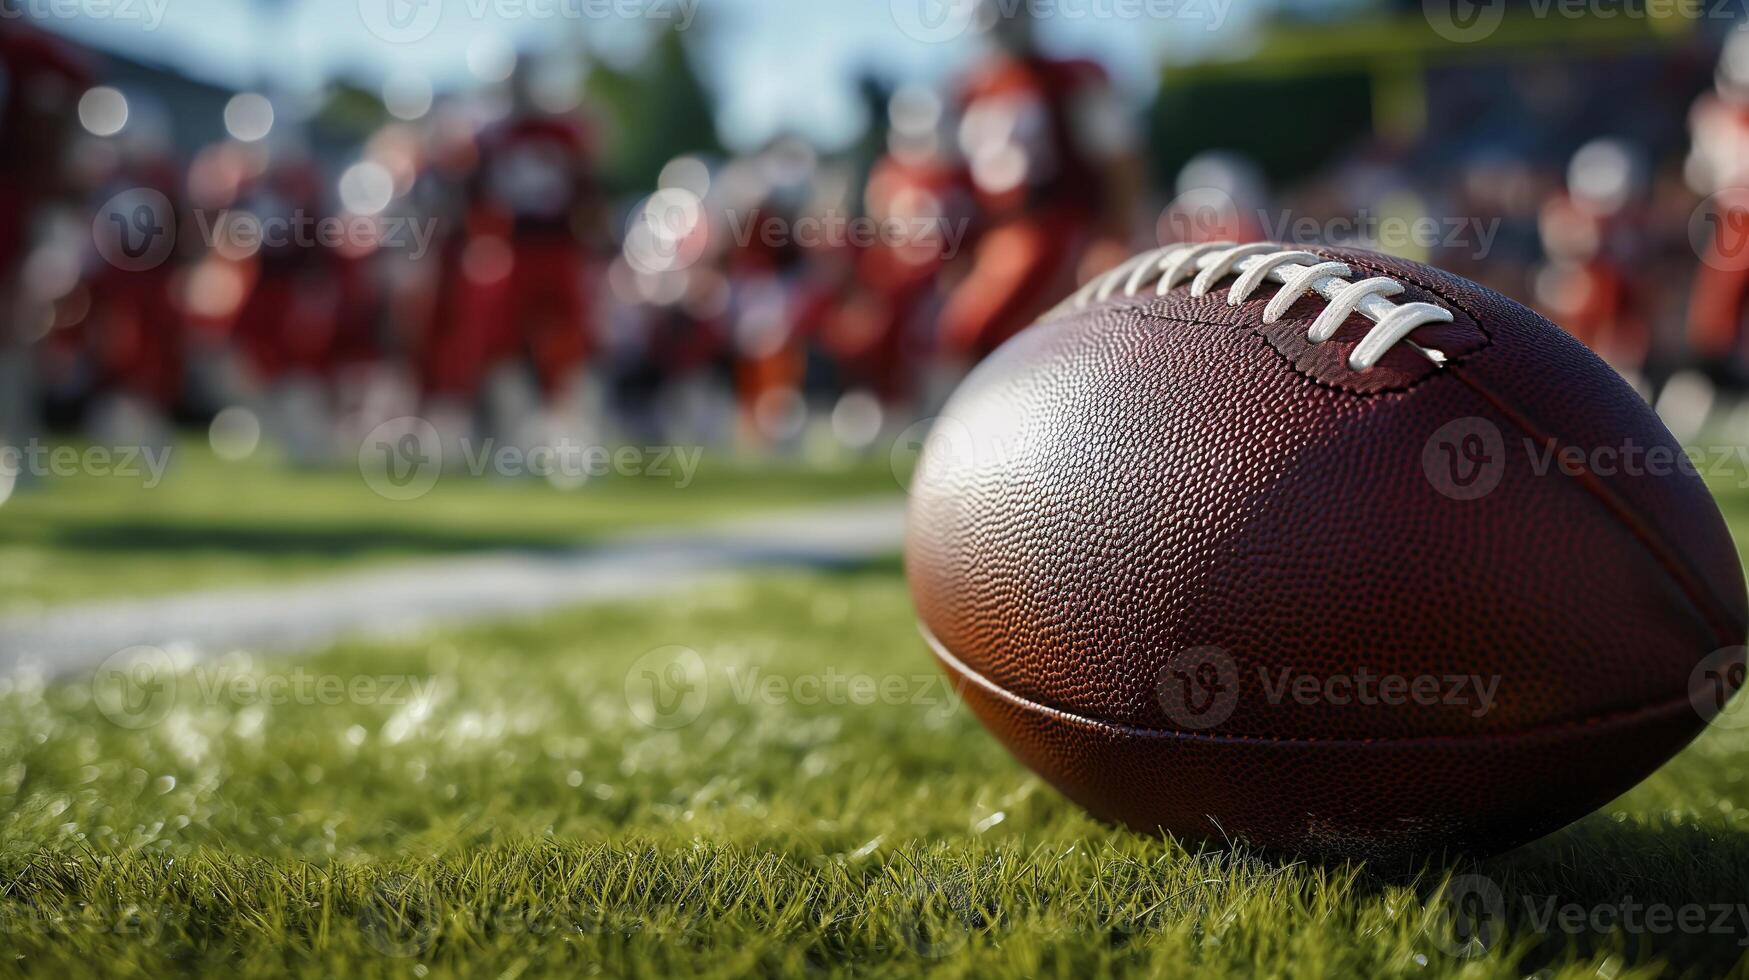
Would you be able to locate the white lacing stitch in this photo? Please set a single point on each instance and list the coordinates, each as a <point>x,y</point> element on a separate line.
<point>1298,272</point>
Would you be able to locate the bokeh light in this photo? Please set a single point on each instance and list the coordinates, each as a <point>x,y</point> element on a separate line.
<point>249,117</point>
<point>103,111</point>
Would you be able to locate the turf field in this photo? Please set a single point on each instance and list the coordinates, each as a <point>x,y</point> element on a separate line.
<point>765,776</point>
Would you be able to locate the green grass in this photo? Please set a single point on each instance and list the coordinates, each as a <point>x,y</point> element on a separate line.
<point>212,523</point>
<point>523,819</point>
<point>534,813</point>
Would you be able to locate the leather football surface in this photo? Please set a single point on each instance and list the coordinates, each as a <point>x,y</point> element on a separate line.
<point>1206,575</point>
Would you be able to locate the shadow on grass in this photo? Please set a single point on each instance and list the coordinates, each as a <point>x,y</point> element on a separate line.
<point>1676,893</point>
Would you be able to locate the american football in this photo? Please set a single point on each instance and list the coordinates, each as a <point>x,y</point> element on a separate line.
<point>1221,476</point>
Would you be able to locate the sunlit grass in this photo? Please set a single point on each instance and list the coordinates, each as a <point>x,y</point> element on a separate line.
<point>509,800</point>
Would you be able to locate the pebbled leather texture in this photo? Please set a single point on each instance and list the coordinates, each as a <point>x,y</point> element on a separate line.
<point>1161,545</point>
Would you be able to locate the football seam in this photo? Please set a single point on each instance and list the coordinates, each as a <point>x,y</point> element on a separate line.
<point>1651,710</point>
<point>1711,610</point>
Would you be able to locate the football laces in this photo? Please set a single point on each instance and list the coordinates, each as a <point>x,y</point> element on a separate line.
<point>1297,272</point>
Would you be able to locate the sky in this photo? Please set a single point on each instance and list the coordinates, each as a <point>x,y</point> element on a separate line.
<point>772,65</point>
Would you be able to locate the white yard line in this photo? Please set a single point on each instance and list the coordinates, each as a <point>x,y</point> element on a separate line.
<point>306,615</point>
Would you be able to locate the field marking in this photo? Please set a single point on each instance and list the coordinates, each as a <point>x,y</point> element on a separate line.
<point>399,599</point>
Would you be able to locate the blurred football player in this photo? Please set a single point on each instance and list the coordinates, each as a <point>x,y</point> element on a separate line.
<point>521,330</point>
<point>1718,167</point>
<point>289,324</point>
<point>133,333</point>
<point>1591,237</point>
<point>919,194</point>
<point>1054,169</point>
<point>41,81</point>
<point>773,307</point>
